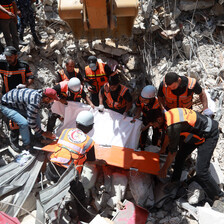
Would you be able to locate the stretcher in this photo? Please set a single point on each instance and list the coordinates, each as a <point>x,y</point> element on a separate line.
<point>147,162</point>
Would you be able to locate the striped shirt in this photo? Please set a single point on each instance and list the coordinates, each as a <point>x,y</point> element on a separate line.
<point>28,100</point>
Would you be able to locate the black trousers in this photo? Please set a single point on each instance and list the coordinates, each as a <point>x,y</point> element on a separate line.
<point>143,138</point>
<point>51,121</point>
<point>205,151</point>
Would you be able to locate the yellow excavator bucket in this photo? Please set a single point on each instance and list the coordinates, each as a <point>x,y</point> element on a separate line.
<point>99,19</point>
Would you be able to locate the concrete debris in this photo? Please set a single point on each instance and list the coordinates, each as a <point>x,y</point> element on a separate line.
<point>207,216</point>
<point>188,5</point>
<point>186,38</point>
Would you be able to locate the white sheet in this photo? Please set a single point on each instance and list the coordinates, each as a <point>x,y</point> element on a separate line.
<point>109,127</point>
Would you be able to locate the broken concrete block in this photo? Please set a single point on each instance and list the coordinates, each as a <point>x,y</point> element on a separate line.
<point>59,57</point>
<point>89,176</point>
<point>146,8</point>
<point>56,44</point>
<point>131,61</point>
<point>119,185</point>
<point>216,172</point>
<point>186,45</point>
<point>110,48</point>
<point>100,220</point>
<point>188,5</point>
<point>141,186</point>
<point>208,216</point>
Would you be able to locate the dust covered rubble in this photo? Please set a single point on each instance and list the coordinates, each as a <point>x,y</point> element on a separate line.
<point>185,38</point>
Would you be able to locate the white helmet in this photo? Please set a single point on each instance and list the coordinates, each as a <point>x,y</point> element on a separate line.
<point>85,118</point>
<point>148,92</point>
<point>74,84</point>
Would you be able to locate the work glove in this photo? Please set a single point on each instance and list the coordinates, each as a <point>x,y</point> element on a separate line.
<point>20,86</point>
<point>208,112</point>
<point>125,115</point>
<point>101,108</point>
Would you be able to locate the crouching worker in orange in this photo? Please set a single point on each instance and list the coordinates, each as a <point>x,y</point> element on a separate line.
<point>74,145</point>
<point>71,90</point>
<point>148,104</point>
<point>115,96</point>
<point>202,134</point>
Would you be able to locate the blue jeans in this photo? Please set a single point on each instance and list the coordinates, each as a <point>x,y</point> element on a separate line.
<point>19,116</point>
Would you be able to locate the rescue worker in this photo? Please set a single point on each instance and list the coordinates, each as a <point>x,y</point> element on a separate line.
<point>74,146</point>
<point>22,106</point>
<point>70,71</point>
<point>96,75</point>
<point>15,74</point>
<point>27,17</point>
<point>71,90</point>
<point>8,22</point>
<point>177,91</point>
<point>188,130</point>
<point>115,96</point>
<point>148,104</point>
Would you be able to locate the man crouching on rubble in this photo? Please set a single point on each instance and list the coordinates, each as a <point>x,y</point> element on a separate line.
<point>22,107</point>
<point>189,130</point>
<point>74,145</point>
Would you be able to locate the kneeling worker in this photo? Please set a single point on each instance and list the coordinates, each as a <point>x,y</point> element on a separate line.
<point>74,145</point>
<point>178,122</point>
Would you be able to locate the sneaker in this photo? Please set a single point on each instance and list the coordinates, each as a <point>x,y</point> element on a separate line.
<point>218,205</point>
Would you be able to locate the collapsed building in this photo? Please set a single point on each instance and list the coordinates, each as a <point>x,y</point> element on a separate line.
<point>181,36</point>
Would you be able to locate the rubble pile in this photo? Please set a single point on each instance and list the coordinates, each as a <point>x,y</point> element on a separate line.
<point>185,36</point>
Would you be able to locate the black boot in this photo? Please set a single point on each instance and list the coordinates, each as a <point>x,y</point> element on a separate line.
<point>36,40</point>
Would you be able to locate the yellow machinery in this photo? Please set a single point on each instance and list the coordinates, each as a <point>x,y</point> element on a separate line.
<point>93,19</point>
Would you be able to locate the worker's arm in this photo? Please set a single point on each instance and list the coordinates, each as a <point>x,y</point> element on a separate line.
<point>164,145</point>
<point>91,158</point>
<point>173,132</point>
<point>29,82</point>
<point>203,99</point>
<point>101,97</point>
<point>7,12</point>
<point>137,114</point>
<point>161,97</point>
<point>162,103</point>
<point>89,102</point>
<point>169,159</point>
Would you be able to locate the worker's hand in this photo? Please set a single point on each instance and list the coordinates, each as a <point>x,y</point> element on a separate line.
<point>125,115</point>
<point>162,172</point>
<point>133,120</point>
<point>208,112</point>
<point>92,106</point>
<point>49,135</point>
<point>101,108</point>
<point>20,86</point>
<point>63,101</point>
<point>12,15</point>
<point>19,13</point>
<point>90,89</point>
